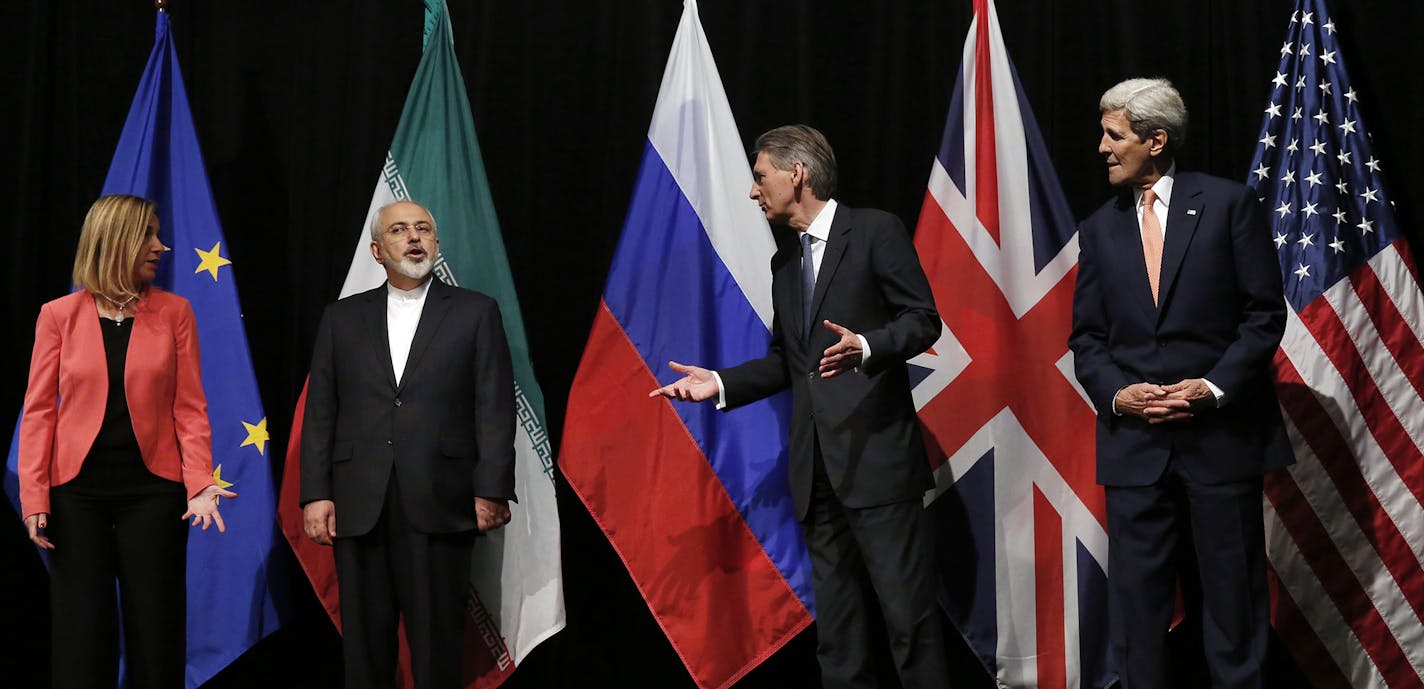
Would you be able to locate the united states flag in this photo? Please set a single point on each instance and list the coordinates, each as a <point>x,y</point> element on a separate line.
<point>1020,516</point>
<point>1345,526</point>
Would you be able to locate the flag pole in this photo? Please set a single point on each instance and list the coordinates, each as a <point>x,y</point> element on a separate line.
<point>161,5</point>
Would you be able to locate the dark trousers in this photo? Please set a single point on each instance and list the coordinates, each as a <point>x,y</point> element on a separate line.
<point>395,573</point>
<point>861,556</point>
<point>1147,529</point>
<point>139,540</point>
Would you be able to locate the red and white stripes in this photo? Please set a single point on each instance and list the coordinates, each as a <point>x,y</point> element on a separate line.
<point>1345,526</point>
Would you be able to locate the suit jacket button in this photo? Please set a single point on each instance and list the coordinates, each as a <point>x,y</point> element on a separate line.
<point>398,402</point>
<point>388,442</point>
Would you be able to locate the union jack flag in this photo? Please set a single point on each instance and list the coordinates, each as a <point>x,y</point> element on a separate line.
<point>1020,514</point>
<point>1345,526</point>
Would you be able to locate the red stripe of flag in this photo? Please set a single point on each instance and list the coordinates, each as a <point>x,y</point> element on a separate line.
<point>718,597</point>
<point>1401,250</point>
<point>1311,656</point>
<point>1329,331</point>
<point>1394,331</point>
<point>1048,582</point>
<point>986,172</point>
<point>1336,458</point>
<point>1338,581</point>
<point>316,560</point>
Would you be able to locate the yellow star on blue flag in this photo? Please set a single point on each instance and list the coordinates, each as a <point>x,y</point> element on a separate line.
<point>256,435</point>
<point>217,477</point>
<point>211,260</point>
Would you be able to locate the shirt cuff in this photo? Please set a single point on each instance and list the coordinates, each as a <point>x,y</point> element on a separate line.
<point>1114,399</point>
<point>721,391</point>
<point>864,351</point>
<point>1220,394</point>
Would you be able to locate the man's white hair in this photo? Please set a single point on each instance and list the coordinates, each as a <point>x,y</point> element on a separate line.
<point>1149,105</point>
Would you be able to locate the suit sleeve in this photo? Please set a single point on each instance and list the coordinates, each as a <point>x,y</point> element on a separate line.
<point>494,409</point>
<point>756,379</point>
<point>1260,299</point>
<point>914,324</point>
<point>190,406</point>
<point>37,424</point>
<point>759,378</point>
<point>319,416</point>
<point>1099,375</point>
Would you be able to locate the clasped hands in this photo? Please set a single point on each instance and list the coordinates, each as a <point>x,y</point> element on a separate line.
<point>319,518</point>
<point>698,384</point>
<point>1163,403</point>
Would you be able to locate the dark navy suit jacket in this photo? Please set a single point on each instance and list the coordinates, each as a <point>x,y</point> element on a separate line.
<point>1221,317</point>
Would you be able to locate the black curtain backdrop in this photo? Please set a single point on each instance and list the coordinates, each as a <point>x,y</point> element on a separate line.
<point>296,103</point>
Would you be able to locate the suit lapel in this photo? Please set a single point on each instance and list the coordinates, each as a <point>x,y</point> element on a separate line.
<point>375,317</point>
<point>1131,257</point>
<point>90,336</point>
<point>437,303</point>
<point>836,242</point>
<point>1182,218</point>
<point>786,294</point>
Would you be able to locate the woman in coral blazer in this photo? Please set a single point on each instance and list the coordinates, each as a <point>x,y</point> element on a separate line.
<point>114,441</point>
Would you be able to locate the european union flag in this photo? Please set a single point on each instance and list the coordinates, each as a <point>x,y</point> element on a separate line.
<point>231,576</point>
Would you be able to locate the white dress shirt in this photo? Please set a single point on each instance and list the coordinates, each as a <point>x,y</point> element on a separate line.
<point>403,309</point>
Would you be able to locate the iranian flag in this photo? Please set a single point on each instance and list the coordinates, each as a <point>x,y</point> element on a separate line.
<point>516,587</point>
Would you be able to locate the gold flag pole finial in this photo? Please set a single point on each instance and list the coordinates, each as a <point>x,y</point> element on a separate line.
<point>161,5</point>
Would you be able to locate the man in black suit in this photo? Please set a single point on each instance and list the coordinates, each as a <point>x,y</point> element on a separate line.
<point>408,439</point>
<point>1177,312</point>
<point>851,305</point>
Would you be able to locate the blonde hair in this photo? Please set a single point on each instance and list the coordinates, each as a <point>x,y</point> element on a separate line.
<point>114,233</point>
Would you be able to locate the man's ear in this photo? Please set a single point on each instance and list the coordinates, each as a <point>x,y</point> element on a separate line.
<point>1158,142</point>
<point>376,253</point>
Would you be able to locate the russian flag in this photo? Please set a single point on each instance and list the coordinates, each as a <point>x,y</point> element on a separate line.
<point>695,501</point>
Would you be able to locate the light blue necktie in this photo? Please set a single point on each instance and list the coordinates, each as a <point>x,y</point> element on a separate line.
<point>808,283</point>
